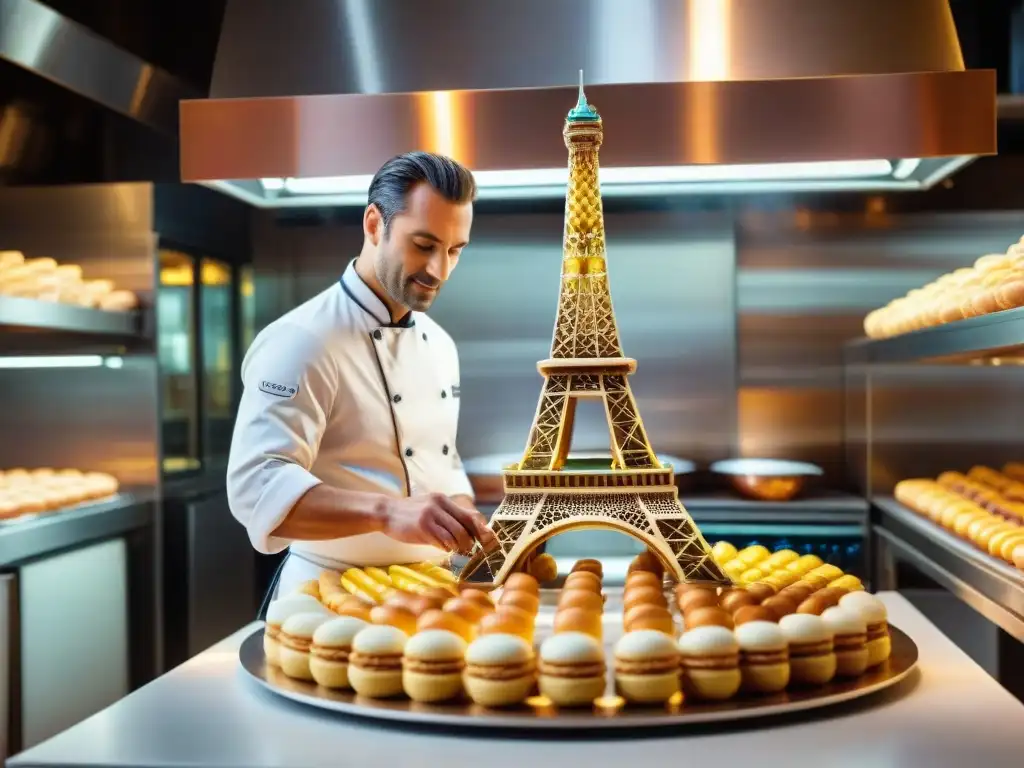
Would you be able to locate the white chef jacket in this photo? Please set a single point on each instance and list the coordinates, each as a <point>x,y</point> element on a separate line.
<point>336,393</point>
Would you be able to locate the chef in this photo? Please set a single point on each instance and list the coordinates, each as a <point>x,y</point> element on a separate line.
<point>343,451</point>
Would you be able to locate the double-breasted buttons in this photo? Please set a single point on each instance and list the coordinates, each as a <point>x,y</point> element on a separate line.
<point>444,393</point>
<point>378,335</point>
<point>408,452</point>
<point>445,450</point>
<point>396,398</point>
<point>424,337</point>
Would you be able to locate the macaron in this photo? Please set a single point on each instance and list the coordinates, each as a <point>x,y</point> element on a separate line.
<point>500,670</point>
<point>646,667</point>
<point>506,623</point>
<point>589,564</point>
<point>451,622</point>
<point>811,658</point>
<point>709,657</point>
<point>761,591</point>
<point>580,598</point>
<point>432,665</point>
<point>375,664</point>
<point>875,616</point>
<point>579,620</point>
<point>713,616</point>
<point>527,601</point>
<point>749,613</point>
<point>572,669</point>
<point>330,649</point>
<point>522,582</point>
<point>649,617</point>
<point>277,613</point>
<point>294,640</point>
<point>850,633</point>
<point>735,599</point>
<point>698,598</point>
<point>764,657</point>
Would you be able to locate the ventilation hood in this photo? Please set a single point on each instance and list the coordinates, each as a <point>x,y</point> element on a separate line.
<point>310,97</point>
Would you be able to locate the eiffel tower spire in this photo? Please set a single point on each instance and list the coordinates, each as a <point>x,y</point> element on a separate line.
<point>585,323</point>
<point>548,493</point>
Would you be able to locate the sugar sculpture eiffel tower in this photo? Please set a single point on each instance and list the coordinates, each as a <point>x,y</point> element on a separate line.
<point>548,492</point>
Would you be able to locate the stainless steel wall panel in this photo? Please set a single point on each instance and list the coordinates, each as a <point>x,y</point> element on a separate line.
<point>673,289</point>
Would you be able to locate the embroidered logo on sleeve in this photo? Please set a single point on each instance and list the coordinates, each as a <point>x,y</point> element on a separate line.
<point>278,390</point>
<point>456,389</point>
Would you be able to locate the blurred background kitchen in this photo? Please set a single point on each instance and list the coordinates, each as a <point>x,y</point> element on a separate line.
<point>119,360</point>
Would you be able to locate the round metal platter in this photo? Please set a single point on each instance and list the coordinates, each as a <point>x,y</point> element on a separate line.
<point>607,713</point>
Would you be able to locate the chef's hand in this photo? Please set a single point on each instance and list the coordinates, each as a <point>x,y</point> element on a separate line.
<point>435,520</point>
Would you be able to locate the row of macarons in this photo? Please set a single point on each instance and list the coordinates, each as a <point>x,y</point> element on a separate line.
<point>709,662</point>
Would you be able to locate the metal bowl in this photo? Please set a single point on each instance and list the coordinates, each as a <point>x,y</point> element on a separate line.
<point>767,479</point>
<point>485,471</point>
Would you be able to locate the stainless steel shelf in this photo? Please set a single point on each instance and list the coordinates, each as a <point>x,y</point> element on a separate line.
<point>834,508</point>
<point>32,315</point>
<point>993,588</point>
<point>33,536</point>
<point>971,339</point>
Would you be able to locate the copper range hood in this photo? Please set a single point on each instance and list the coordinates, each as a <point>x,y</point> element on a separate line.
<point>309,97</point>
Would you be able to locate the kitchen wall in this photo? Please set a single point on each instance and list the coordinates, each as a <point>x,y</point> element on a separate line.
<point>737,320</point>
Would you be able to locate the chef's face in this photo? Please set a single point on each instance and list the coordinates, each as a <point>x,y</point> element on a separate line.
<point>421,246</point>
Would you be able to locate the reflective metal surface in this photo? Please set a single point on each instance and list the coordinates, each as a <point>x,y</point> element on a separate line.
<point>544,716</point>
<point>269,48</point>
<point>39,39</point>
<point>651,124</point>
<point>672,285</point>
<point>992,587</point>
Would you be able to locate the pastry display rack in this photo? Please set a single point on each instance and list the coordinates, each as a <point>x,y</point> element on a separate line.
<point>22,315</point>
<point>993,588</point>
<point>610,711</point>
<point>31,536</point>
<point>975,338</point>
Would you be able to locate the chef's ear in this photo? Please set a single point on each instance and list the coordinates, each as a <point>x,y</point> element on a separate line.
<point>373,224</point>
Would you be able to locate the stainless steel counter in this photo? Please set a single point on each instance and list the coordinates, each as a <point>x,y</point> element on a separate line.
<point>206,714</point>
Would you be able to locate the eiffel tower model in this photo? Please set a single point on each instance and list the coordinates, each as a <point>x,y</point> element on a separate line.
<point>548,493</point>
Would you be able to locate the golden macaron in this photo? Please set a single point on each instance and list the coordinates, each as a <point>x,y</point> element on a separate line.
<point>709,657</point>
<point>331,648</point>
<point>764,657</point>
<point>375,663</point>
<point>500,670</point>
<point>294,640</point>
<point>646,666</point>
<point>850,636</point>
<point>572,669</point>
<point>432,665</point>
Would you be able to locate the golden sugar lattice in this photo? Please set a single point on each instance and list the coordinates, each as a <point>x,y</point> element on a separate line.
<point>635,494</point>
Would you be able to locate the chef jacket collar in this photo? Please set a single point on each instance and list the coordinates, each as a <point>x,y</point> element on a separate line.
<point>357,290</point>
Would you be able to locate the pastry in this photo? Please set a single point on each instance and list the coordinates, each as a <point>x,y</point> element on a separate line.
<point>876,619</point>
<point>277,613</point>
<point>446,620</point>
<point>734,599</point>
<point>432,665</point>
<point>747,613</point>
<point>350,605</point>
<point>723,552</point>
<point>753,554</point>
<point>647,561</point>
<point>470,610</point>
<point>826,571</point>
<point>579,620</point>
<point>811,657</point>
<point>544,568</point>
<point>580,598</point>
<point>820,600</point>
<point>780,605</point>
<point>704,617</point>
<point>500,670</point>
<point>762,591</point>
<point>848,582</point>
<point>294,640</point>
<point>523,582</point>
<point>850,633</point>
<point>394,616</point>
<point>709,657</point>
<point>589,564</point>
<point>781,559</point>
<point>643,596</point>
<point>481,598</point>
<point>507,623</point>
<point>646,666</point>
<point>375,664</point>
<point>572,669</point>
<point>649,617</point>
<point>764,657</point>
<point>583,580</point>
<point>330,649</point>
<point>643,579</point>
<point>527,601</point>
<point>698,598</point>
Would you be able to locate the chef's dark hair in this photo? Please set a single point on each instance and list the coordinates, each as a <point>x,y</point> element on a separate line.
<point>391,184</point>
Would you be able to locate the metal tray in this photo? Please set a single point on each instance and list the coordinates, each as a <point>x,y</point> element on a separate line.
<point>538,714</point>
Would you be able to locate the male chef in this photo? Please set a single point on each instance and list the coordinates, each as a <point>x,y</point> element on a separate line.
<point>344,446</point>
